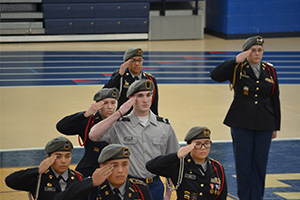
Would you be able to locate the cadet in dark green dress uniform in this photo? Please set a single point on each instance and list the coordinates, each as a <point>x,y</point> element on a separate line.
<point>53,174</point>
<point>130,71</point>
<point>194,175</point>
<point>110,181</point>
<point>254,115</point>
<point>80,124</point>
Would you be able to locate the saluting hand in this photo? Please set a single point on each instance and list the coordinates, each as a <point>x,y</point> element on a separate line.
<point>93,108</point>
<point>45,164</point>
<point>242,56</point>
<point>127,105</point>
<point>183,151</point>
<point>101,174</point>
<point>123,67</point>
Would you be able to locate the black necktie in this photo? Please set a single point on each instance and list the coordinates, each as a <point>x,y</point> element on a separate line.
<point>63,183</point>
<point>116,193</point>
<point>61,178</point>
<point>136,78</point>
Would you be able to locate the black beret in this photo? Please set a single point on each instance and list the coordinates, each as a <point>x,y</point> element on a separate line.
<point>107,93</point>
<point>197,132</point>
<point>133,52</point>
<point>58,144</point>
<point>140,85</point>
<point>113,152</point>
<point>255,40</point>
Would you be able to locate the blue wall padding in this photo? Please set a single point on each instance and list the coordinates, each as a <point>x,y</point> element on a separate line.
<point>91,18</point>
<point>90,10</point>
<point>255,16</point>
<point>96,26</point>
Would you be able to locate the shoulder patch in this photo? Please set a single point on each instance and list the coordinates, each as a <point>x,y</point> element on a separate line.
<point>76,173</point>
<point>161,119</point>
<point>137,181</point>
<point>115,72</point>
<point>102,187</point>
<point>212,160</point>
<point>148,74</point>
<point>268,64</point>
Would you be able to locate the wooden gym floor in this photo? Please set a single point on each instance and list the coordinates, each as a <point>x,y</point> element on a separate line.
<point>29,112</point>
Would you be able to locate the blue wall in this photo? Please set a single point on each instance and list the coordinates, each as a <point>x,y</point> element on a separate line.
<point>234,18</point>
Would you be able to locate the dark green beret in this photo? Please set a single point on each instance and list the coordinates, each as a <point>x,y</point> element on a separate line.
<point>197,132</point>
<point>255,40</point>
<point>140,85</point>
<point>58,144</point>
<point>113,152</point>
<point>133,52</point>
<point>107,93</point>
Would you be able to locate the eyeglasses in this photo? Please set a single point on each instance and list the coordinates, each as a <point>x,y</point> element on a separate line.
<point>137,61</point>
<point>205,144</point>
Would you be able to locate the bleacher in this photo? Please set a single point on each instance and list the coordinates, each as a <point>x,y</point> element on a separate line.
<point>21,17</point>
<point>98,20</point>
<point>65,20</point>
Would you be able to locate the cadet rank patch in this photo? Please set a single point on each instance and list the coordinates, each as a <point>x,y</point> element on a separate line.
<point>161,119</point>
<point>137,181</point>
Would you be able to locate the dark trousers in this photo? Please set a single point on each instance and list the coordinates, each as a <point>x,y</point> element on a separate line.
<point>251,151</point>
<point>157,189</point>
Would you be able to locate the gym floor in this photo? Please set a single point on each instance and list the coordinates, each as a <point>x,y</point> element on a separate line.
<point>43,82</point>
